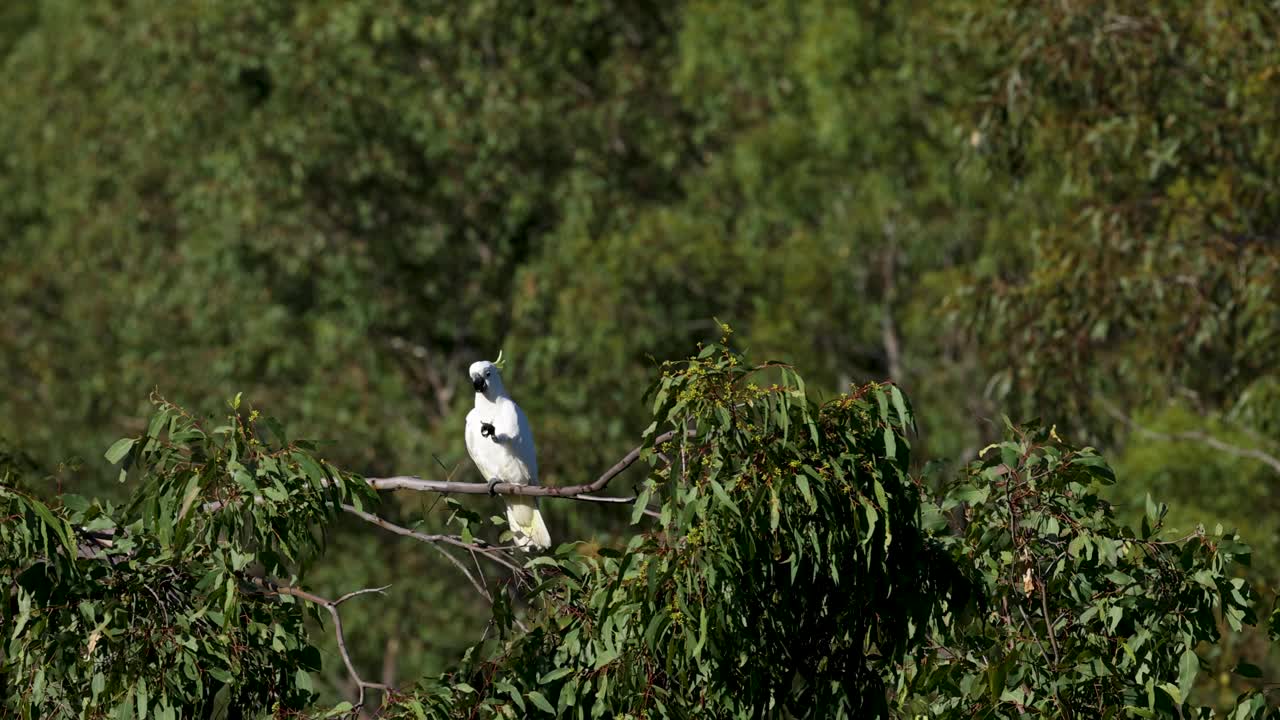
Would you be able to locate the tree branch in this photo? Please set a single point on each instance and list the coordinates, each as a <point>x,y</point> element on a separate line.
<point>492,552</point>
<point>332,606</point>
<point>583,492</point>
<point>572,492</point>
<point>1194,435</point>
<point>1048,625</point>
<point>477,584</point>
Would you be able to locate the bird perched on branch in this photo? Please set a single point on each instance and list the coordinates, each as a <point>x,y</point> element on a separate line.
<point>500,443</point>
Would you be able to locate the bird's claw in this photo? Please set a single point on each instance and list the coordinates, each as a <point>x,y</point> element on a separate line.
<point>486,429</point>
<point>493,485</point>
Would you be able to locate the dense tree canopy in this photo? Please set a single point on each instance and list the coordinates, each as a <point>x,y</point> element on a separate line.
<point>1054,211</point>
<point>795,567</point>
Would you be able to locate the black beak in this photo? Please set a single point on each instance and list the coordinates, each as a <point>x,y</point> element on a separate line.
<point>478,384</point>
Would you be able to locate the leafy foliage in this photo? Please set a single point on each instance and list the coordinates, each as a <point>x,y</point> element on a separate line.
<point>1150,125</point>
<point>789,574</point>
<point>1064,211</point>
<point>1083,616</point>
<point>793,565</point>
<point>787,571</point>
<point>155,606</point>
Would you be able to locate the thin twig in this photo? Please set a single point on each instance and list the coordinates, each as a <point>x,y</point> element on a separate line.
<point>1056,696</point>
<point>479,570</point>
<point>1053,642</point>
<point>332,606</point>
<point>484,593</point>
<point>1030,629</point>
<point>1048,626</point>
<point>492,552</point>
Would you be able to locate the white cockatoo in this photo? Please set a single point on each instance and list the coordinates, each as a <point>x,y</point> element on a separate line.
<point>500,443</point>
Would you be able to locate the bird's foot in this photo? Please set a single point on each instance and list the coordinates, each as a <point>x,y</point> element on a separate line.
<point>493,484</point>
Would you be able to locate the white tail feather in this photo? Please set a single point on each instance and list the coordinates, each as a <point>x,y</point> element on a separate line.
<point>527,524</point>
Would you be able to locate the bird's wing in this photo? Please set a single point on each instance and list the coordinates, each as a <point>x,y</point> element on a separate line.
<point>478,447</point>
<point>506,419</point>
<point>524,446</point>
<point>507,454</point>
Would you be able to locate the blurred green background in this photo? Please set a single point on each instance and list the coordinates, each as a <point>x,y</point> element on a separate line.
<point>1056,210</point>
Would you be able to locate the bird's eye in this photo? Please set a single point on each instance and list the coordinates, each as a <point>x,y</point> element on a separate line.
<point>487,373</point>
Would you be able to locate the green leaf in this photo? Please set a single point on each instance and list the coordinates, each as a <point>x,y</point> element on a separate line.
<point>119,449</point>
<point>1098,468</point>
<point>311,469</point>
<point>803,483</point>
<point>189,497</point>
<point>659,399</point>
<point>996,675</point>
<point>1250,705</point>
<point>157,423</point>
<point>74,503</point>
<point>641,503</point>
<point>723,496</point>
<point>971,494</point>
<point>554,675</point>
<point>56,525</point>
<point>541,702</point>
<point>1119,578</point>
<point>702,634</point>
<point>883,401</point>
<point>774,508</point>
<point>900,404</point>
<point>1153,511</point>
<point>1188,668</point>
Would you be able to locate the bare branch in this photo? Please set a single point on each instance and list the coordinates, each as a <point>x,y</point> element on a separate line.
<point>572,492</point>
<point>492,552</point>
<point>607,499</point>
<point>348,596</point>
<point>1195,436</point>
<point>332,606</point>
<point>479,586</point>
<point>1053,661</point>
<point>1048,625</point>
<point>583,492</point>
<point>434,540</point>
